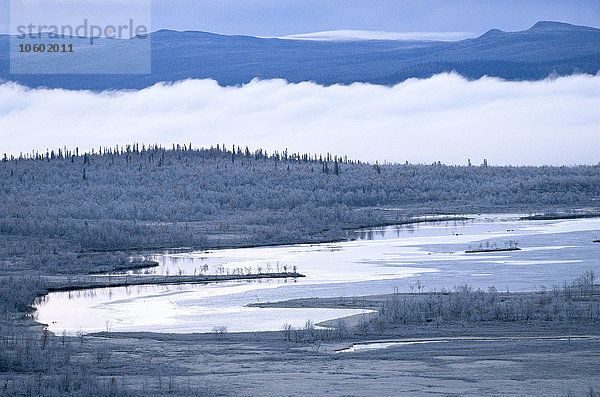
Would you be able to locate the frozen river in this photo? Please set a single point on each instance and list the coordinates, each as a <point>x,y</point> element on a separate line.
<point>373,261</point>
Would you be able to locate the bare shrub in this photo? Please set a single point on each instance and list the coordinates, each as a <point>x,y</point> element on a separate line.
<point>220,332</point>
<point>574,301</point>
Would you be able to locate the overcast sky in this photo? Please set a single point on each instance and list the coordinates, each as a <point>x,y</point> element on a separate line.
<point>285,17</point>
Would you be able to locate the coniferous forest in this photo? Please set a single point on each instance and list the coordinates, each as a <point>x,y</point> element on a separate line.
<point>81,211</point>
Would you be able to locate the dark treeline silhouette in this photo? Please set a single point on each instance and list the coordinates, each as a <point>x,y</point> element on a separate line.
<point>67,210</point>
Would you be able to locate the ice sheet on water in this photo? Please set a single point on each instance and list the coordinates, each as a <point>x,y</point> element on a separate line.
<point>395,258</point>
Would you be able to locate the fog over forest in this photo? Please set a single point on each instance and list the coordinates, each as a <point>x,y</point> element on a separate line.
<point>445,118</point>
<point>281,198</point>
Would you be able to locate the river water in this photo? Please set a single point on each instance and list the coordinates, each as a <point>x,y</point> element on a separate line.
<point>419,257</point>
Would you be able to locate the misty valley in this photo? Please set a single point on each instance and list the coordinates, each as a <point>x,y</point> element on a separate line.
<point>264,198</point>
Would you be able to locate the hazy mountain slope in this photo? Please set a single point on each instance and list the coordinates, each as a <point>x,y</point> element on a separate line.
<point>548,47</point>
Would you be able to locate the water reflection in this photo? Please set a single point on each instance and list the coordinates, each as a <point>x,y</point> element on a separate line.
<point>373,261</point>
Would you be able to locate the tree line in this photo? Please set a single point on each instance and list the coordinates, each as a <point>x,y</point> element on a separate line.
<point>82,204</point>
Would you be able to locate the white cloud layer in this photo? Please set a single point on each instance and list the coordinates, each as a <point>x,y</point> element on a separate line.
<point>354,35</point>
<point>445,118</point>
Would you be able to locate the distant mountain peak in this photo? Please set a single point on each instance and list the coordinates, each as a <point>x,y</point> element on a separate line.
<point>492,32</point>
<point>552,25</point>
<point>527,55</point>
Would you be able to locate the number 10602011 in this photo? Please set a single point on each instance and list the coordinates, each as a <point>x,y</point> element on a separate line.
<point>46,48</point>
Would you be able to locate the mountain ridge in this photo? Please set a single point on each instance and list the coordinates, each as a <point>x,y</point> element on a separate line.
<point>540,25</point>
<point>547,48</point>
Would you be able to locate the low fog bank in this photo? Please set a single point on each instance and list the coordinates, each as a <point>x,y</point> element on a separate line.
<point>444,118</point>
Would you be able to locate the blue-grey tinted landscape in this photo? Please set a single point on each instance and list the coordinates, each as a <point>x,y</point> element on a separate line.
<point>370,261</point>
<point>535,53</point>
<point>296,201</point>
